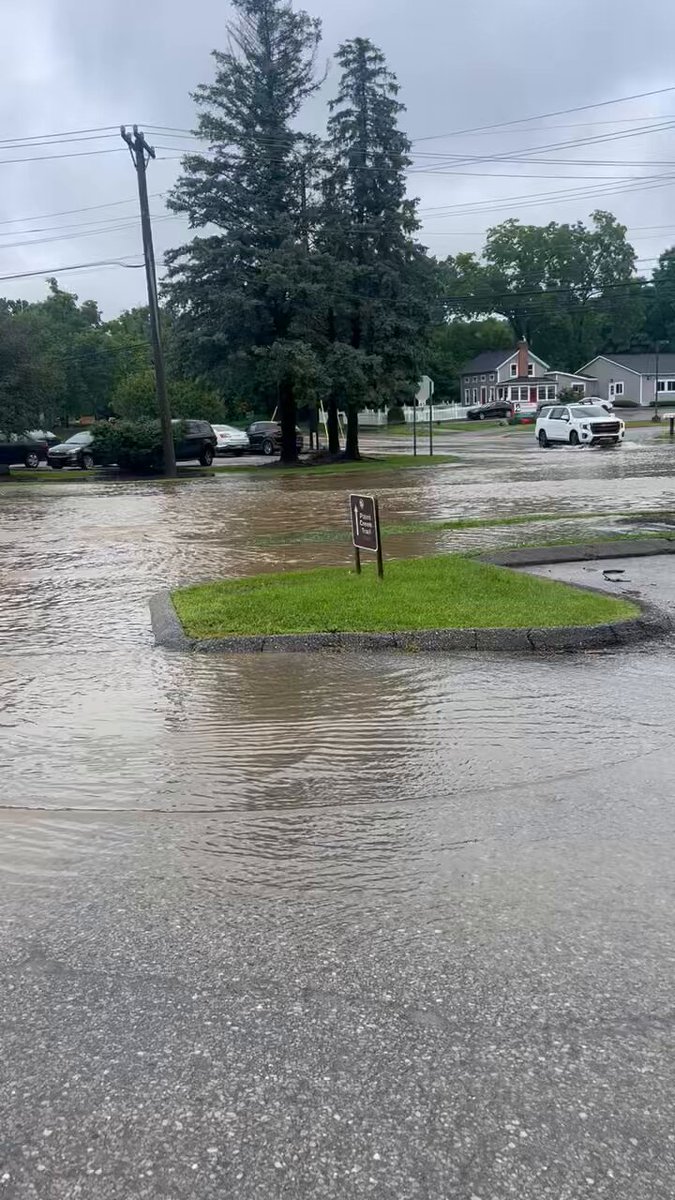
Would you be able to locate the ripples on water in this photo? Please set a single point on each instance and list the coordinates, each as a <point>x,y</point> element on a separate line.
<point>270,773</point>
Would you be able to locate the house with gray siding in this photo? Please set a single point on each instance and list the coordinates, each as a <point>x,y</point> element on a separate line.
<point>517,376</point>
<point>633,379</point>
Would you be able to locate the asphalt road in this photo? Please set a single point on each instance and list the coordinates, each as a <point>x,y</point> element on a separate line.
<point>312,927</point>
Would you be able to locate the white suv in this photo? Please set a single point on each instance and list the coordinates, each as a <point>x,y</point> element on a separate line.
<point>579,425</point>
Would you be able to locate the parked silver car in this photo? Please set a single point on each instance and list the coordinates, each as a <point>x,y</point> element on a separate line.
<point>230,440</point>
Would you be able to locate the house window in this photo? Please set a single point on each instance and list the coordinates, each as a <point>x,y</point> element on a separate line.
<point>616,389</point>
<point>550,391</point>
<point>482,379</point>
<point>541,393</point>
<point>492,394</point>
<point>492,378</point>
<point>514,370</point>
<point>660,385</point>
<point>467,396</point>
<point>474,395</point>
<point>671,385</point>
<point>530,368</point>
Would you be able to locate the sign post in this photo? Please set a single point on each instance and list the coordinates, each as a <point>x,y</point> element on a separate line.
<point>365,518</point>
<point>431,418</point>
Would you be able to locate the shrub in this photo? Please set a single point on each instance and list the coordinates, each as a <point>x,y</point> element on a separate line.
<point>135,446</point>
<point>395,415</point>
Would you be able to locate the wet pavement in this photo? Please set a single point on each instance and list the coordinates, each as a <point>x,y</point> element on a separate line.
<point>327,926</point>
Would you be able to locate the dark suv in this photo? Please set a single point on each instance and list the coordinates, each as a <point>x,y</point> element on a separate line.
<point>195,439</point>
<point>265,438</point>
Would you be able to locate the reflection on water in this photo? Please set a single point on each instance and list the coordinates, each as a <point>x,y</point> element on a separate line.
<point>269,774</point>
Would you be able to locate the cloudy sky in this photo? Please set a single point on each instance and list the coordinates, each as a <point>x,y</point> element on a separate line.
<point>70,65</point>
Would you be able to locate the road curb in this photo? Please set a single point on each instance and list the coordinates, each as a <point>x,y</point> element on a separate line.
<point>539,556</point>
<point>651,623</point>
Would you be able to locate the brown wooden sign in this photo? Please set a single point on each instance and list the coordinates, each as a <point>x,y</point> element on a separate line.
<point>365,518</point>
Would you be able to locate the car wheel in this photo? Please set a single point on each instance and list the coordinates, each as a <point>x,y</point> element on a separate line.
<point>481,416</point>
<point>268,447</point>
<point>543,440</point>
<point>32,460</point>
<point>206,456</point>
<point>574,438</point>
<point>87,462</point>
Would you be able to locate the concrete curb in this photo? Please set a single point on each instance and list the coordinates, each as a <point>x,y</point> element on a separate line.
<point>539,556</point>
<point>651,623</point>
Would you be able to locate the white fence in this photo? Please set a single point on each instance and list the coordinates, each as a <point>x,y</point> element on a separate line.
<point>439,412</point>
<point>374,417</point>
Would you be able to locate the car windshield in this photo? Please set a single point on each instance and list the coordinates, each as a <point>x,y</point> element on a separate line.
<point>79,439</point>
<point>226,429</point>
<point>588,411</point>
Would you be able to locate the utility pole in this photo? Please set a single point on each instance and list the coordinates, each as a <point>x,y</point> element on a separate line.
<point>141,152</point>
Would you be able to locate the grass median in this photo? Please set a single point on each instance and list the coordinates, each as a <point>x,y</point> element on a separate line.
<point>443,592</point>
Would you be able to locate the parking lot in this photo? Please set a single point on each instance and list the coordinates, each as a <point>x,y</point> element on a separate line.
<point>329,925</point>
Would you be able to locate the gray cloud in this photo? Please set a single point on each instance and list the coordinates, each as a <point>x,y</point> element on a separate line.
<point>67,65</point>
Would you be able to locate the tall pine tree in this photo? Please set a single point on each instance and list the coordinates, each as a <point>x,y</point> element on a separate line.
<point>240,294</point>
<point>377,303</point>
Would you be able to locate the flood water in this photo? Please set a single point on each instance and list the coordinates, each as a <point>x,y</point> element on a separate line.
<point>454,794</point>
<point>96,719</point>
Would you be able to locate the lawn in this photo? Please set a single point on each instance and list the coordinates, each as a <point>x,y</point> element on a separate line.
<point>453,523</point>
<point>371,463</point>
<point>444,592</point>
<point>462,426</point>
<point>264,471</point>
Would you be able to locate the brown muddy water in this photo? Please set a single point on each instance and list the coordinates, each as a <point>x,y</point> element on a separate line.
<point>291,773</point>
<point>330,927</point>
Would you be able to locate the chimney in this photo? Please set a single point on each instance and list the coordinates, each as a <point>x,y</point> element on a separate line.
<point>523,358</point>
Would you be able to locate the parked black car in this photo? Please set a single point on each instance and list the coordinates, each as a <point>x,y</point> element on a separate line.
<point>265,438</point>
<point>490,412</point>
<point>22,448</point>
<point>77,451</point>
<point>196,439</point>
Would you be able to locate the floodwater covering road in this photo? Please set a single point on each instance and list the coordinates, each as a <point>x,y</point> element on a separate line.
<point>315,926</point>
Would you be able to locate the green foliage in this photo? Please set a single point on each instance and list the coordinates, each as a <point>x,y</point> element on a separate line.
<point>660,322</point>
<point>569,289</point>
<point>377,279</point>
<point>135,399</point>
<point>237,293</point>
<point>454,343</point>
<point>22,378</point>
<point>134,446</point>
<point>395,415</point>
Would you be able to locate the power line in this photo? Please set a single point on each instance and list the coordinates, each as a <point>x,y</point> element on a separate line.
<point>62,134</point>
<point>124,226</point>
<point>53,157</point>
<point>561,112</point>
<point>103,262</point>
<point>67,212</point>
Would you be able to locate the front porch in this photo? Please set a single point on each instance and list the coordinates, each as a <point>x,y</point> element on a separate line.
<point>522,391</point>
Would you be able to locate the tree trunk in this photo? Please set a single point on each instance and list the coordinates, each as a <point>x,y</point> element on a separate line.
<point>287,419</point>
<point>352,452</point>
<point>333,427</point>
